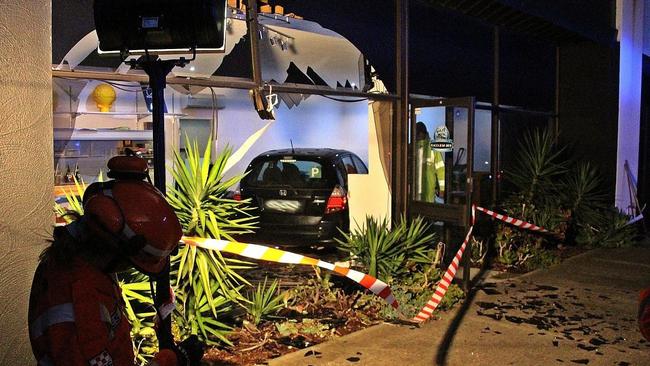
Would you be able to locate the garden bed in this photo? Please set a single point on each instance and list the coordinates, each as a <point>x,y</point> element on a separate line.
<point>254,345</point>
<point>318,308</point>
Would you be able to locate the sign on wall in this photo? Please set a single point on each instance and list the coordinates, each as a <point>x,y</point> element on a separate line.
<point>442,142</point>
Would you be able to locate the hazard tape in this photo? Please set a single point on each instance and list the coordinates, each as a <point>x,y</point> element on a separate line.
<point>255,251</point>
<point>376,286</point>
<point>512,220</point>
<point>445,281</point>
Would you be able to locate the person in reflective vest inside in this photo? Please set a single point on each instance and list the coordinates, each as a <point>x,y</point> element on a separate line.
<point>75,306</point>
<point>429,167</point>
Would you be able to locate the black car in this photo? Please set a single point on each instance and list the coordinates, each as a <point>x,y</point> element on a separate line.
<point>301,194</point>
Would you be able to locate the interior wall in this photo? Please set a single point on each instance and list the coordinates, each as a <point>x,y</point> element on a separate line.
<point>317,122</point>
<point>589,102</point>
<point>25,164</point>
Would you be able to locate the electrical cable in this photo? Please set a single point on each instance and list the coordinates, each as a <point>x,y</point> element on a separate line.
<point>344,100</point>
<point>123,87</point>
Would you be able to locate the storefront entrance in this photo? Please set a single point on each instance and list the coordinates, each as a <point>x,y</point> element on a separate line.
<point>441,158</point>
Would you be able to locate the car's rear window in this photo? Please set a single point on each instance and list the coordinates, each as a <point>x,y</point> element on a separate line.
<point>289,171</point>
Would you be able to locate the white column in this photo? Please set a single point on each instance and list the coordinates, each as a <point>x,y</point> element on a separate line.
<point>630,26</point>
<point>26,164</point>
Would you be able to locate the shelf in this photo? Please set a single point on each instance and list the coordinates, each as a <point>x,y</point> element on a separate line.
<point>138,115</point>
<point>78,156</point>
<point>67,134</point>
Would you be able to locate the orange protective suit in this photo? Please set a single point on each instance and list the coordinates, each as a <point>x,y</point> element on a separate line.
<point>644,313</point>
<point>75,318</point>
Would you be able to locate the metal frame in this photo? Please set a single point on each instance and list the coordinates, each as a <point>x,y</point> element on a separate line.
<point>495,159</point>
<point>451,213</point>
<point>400,164</point>
<point>220,82</point>
<point>459,215</point>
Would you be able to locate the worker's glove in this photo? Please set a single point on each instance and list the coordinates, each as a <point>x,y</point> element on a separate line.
<point>189,352</point>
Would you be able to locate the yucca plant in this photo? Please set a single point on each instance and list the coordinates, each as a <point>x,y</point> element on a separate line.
<point>583,193</point>
<point>139,310</point>
<point>264,300</point>
<point>390,253</point>
<point>611,230</point>
<point>199,196</point>
<point>583,198</point>
<point>206,283</point>
<point>539,164</point>
<point>73,197</point>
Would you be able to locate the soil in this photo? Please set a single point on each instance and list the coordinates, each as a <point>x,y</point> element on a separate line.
<point>318,315</point>
<point>291,331</point>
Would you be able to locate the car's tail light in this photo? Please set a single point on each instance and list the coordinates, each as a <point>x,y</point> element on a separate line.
<point>338,200</point>
<point>237,196</point>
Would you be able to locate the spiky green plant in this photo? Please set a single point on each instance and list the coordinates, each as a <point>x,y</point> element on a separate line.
<point>583,193</point>
<point>611,230</point>
<point>73,197</point>
<point>139,310</point>
<point>390,253</point>
<point>199,196</point>
<point>537,167</point>
<point>206,283</point>
<point>264,300</point>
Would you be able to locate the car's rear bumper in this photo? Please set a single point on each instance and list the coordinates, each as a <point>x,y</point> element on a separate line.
<point>297,235</point>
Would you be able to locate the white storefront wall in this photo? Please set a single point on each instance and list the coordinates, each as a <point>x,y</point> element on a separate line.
<point>316,122</point>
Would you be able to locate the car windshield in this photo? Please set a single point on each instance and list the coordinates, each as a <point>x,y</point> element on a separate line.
<point>289,171</point>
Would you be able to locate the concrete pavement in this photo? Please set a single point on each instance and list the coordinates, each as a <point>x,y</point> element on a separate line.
<point>582,311</point>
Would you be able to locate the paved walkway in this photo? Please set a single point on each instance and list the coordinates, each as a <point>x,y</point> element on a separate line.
<point>582,311</point>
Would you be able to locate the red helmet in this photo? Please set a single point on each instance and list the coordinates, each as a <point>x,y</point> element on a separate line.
<point>133,216</point>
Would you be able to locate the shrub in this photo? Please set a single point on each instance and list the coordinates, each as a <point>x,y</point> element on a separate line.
<point>390,253</point>
<point>565,197</point>
<point>413,293</point>
<point>206,283</point>
<point>610,230</point>
<point>264,300</point>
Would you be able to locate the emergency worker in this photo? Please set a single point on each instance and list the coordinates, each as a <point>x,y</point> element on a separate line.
<point>430,167</point>
<point>644,313</point>
<point>75,307</point>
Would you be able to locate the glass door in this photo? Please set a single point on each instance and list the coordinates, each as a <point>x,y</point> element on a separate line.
<point>441,159</point>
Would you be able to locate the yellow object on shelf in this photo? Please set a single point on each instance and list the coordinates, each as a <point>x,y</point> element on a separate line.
<point>279,10</point>
<point>104,95</point>
<point>265,9</point>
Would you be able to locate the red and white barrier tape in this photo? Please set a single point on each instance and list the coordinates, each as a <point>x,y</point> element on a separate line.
<point>513,221</point>
<point>260,252</point>
<point>445,281</point>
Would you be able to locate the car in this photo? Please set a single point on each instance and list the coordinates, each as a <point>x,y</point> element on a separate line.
<point>301,194</point>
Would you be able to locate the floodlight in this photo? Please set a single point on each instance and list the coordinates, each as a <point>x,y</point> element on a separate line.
<point>160,26</point>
